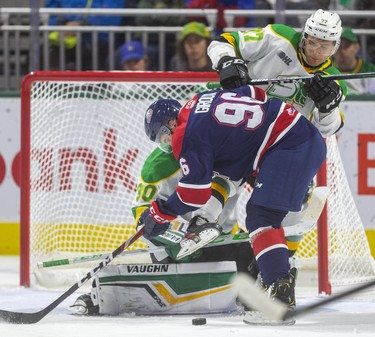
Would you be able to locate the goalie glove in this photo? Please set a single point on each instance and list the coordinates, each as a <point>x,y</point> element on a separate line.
<point>156,219</point>
<point>325,93</point>
<point>233,72</point>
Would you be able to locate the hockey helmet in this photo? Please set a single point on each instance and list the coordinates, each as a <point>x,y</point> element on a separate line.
<point>157,118</point>
<point>323,25</point>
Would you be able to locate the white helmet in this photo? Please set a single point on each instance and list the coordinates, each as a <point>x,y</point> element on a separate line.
<point>325,26</point>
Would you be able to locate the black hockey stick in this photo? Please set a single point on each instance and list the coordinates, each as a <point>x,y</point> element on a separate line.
<point>215,85</point>
<point>223,239</point>
<point>34,317</point>
<point>256,298</point>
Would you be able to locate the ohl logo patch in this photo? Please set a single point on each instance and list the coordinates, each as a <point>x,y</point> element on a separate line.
<point>284,57</point>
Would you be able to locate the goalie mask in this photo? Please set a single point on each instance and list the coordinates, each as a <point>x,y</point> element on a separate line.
<point>320,28</point>
<point>160,120</point>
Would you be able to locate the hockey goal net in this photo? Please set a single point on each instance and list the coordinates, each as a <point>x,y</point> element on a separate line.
<point>83,146</point>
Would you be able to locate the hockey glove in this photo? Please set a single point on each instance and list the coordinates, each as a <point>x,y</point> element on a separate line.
<point>325,93</point>
<point>156,219</point>
<point>233,72</point>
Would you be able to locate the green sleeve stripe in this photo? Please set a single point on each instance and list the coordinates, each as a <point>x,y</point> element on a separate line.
<point>287,33</point>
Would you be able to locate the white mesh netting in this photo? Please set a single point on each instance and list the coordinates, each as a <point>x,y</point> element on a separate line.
<point>87,146</point>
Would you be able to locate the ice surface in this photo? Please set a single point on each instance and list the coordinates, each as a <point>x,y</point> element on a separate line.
<point>354,316</point>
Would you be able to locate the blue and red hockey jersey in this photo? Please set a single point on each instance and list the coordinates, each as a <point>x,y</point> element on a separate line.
<point>228,133</point>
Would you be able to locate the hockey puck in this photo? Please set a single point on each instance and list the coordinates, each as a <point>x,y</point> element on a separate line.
<point>198,321</point>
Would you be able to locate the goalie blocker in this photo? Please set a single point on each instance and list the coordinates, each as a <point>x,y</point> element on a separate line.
<point>162,289</point>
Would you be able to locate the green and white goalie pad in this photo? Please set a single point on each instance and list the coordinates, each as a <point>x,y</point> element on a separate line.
<point>166,289</point>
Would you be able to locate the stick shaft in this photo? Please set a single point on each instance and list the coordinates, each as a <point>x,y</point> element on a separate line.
<point>333,298</point>
<point>254,297</point>
<point>30,318</point>
<point>306,78</point>
<point>215,85</point>
<point>221,240</point>
<point>94,257</point>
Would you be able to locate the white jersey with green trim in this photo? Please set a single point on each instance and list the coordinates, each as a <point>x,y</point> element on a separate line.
<point>159,177</point>
<point>273,52</point>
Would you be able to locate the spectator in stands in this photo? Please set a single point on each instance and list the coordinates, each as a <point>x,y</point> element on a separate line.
<point>153,39</point>
<point>367,23</point>
<point>70,38</point>
<point>346,59</point>
<point>133,57</point>
<point>221,5</point>
<point>192,49</point>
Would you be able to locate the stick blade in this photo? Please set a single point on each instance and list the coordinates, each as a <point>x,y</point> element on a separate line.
<point>254,297</point>
<point>20,317</point>
<point>317,202</point>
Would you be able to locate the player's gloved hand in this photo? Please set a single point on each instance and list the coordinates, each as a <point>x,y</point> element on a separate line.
<point>156,219</point>
<point>325,93</point>
<point>233,72</point>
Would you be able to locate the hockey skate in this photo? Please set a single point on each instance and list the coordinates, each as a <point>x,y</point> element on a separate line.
<point>282,290</point>
<point>84,306</point>
<point>198,235</point>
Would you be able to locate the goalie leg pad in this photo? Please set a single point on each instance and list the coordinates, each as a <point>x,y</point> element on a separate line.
<point>167,289</point>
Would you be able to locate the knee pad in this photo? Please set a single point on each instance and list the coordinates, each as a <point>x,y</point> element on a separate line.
<point>259,216</point>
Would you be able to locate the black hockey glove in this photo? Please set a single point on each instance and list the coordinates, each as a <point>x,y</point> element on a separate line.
<point>325,93</point>
<point>155,219</point>
<point>233,72</point>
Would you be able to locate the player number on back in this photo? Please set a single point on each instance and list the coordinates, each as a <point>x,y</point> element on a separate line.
<point>239,110</point>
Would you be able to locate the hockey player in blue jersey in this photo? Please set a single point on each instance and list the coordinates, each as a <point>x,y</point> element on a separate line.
<point>240,56</point>
<point>239,134</point>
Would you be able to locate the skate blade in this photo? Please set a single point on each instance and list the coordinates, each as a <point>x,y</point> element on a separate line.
<point>258,318</point>
<point>192,245</point>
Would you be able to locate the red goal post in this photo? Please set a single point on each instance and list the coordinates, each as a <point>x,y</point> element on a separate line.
<point>82,148</point>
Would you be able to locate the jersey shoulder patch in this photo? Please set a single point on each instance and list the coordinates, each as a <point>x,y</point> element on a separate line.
<point>287,33</point>
<point>158,166</point>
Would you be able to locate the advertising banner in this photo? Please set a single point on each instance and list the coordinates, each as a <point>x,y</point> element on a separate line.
<point>356,141</point>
